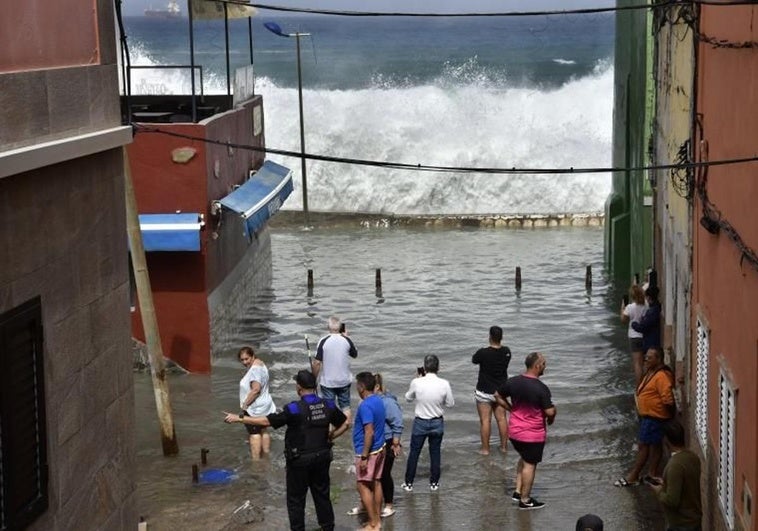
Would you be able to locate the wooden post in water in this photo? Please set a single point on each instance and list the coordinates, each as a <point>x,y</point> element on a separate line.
<point>588,278</point>
<point>204,455</point>
<point>149,320</point>
<point>378,279</point>
<point>310,282</point>
<point>195,475</point>
<point>518,278</point>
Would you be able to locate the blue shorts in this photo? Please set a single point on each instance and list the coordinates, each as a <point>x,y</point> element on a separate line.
<point>340,395</point>
<point>651,430</point>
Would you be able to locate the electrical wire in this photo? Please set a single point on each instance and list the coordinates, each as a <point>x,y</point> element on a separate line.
<point>550,12</point>
<point>139,128</point>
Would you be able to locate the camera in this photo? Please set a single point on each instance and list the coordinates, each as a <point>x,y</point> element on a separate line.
<point>420,371</point>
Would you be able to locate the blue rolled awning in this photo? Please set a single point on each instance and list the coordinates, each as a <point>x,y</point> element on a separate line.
<point>171,232</point>
<point>261,196</point>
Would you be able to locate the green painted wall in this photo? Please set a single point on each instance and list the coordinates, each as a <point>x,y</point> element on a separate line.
<point>628,227</point>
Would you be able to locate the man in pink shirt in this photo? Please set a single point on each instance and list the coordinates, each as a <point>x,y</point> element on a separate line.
<point>532,409</point>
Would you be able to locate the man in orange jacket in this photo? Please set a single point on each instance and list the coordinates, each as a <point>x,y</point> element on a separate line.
<point>655,405</point>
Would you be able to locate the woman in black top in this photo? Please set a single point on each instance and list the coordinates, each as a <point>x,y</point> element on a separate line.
<point>493,372</point>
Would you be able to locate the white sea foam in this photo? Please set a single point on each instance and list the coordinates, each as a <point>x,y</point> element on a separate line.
<point>471,121</point>
<point>564,61</point>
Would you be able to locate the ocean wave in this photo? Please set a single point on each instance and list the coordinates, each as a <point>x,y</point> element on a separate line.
<point>564,61</point>
<point>468,116</point>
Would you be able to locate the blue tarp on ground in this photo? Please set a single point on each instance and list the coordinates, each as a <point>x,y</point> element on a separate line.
<point>261,196</point>
<point>170,232</point>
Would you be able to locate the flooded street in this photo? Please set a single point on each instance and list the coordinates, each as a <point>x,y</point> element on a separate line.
<point>442,290</point>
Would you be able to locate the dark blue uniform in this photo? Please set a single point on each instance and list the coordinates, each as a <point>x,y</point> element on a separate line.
<point>309,455</point>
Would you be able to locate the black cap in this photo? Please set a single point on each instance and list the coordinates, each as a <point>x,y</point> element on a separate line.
<point>305,379</point>
<point>589,521</point>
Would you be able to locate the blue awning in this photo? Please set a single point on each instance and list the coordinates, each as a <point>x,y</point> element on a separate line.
<point>171,232</point>
<point>261,196</point>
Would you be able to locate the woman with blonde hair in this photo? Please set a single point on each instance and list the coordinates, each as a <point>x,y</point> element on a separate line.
<point>632,312</point>
<point>255,401</point>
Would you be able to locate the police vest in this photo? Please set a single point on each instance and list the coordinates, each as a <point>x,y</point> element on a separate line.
<point>311,435</point>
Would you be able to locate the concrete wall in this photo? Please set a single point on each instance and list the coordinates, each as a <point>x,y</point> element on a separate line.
<point>674,86</point>
<point>725,287</point>
<point>628,232</point>
<point>63,238</point>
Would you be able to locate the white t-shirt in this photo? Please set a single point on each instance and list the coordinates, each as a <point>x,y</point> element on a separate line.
<point>634,312</point>
<point>334,352</point>
<point>263,404</point>
<point>431,394</point>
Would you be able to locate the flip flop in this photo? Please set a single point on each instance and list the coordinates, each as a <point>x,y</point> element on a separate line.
<point>387,512</point>
<point>622,482</point>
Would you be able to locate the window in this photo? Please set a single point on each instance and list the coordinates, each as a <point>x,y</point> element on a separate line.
<point>701,385</point>
<point>23,437</point>
<point>727,404</point>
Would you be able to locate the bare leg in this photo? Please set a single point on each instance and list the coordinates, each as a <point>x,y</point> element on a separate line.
<point>346,411</point>
<point>519,469</point>
<point>255,447</point>
<point>656,450</point>
<point>265,442</point>
<point>485,425</point>
<point>366,492</point>
<point>643,450</point>
<point>502,426</point>
<point>378,499</point>
<point>527,480</point>
<point>637,365</point>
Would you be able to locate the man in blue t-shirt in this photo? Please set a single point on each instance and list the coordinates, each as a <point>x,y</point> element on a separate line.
<point>368,440</point>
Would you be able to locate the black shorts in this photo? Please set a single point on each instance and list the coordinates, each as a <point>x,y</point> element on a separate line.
<point>253,430</point>
<point>531,452</point>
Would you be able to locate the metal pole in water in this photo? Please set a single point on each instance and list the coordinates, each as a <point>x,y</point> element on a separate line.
<point>302,132</point>
<point>588,278</point>
<point>518,278</point>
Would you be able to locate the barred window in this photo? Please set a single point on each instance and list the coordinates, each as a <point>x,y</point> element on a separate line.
<point>727,417</point>
<point>23,435</point>
<point>701,385</point>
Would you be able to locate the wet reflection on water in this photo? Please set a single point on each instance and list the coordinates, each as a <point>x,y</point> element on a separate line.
<point>441,290</point>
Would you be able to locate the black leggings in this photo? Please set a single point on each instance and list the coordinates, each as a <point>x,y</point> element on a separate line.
<point>388,485</point>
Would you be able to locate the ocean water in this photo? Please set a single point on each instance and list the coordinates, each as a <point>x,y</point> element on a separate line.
<point>492,92</point>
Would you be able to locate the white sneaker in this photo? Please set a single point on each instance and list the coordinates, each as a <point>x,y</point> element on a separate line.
<point>434,487</point>
<point>407,487</point>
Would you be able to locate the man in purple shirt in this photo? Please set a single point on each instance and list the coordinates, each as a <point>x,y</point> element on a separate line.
<point>532,409</point>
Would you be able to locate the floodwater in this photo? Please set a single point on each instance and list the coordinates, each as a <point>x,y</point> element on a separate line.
<point>442,290</point>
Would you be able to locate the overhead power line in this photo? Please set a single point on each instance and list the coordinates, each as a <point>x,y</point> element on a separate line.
<point>578,11</point>
<point>139,128</point>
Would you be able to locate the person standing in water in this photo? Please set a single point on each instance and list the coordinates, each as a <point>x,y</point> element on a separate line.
<point>493,363</point>
<point>255,401</point>
<point>632,313</point>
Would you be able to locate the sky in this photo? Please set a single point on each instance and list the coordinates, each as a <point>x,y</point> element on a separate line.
<point>136,7</point>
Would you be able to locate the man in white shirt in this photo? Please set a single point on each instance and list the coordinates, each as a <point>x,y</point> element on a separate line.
<point>431,394</point>
<point>332,365</point>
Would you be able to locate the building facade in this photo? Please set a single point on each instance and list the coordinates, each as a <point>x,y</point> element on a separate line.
<point>706,239</point>
<point>67,399</point>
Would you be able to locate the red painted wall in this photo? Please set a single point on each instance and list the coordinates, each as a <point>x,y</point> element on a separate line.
<point>43,34</point>
<point>725,291</point>
<point>177,279</point>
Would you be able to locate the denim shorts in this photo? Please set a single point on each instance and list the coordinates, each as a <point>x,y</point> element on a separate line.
<point>651,430</point>
<point>340,395</point>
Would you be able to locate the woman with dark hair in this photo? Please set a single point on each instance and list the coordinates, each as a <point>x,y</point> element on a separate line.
<point>255,401</point>
<point>650,323</point>
<point>493,363</point>
<point>632,313</point>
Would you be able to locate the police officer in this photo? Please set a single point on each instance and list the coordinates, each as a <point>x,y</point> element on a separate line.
<point>307,448</point>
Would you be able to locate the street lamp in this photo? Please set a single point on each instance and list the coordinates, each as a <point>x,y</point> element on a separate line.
<point>274,28</point>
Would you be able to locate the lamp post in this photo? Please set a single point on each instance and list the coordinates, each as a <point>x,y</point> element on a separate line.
<point>274,28</point>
